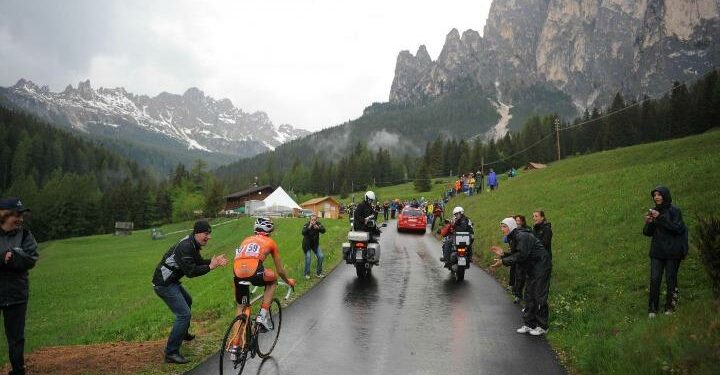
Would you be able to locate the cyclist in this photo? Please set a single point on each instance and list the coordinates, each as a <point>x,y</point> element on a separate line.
<point>248,266</point>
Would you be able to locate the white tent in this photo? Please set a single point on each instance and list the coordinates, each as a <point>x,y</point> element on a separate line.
<point>277,203</point>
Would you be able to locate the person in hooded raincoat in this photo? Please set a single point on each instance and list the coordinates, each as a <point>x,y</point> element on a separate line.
<point>669,246</point>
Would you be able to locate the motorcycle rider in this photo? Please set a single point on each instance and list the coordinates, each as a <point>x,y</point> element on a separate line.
<point>364,213</point>
<point>461,223</point>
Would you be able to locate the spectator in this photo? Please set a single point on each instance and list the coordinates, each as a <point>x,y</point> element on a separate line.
<point>517,273</point>
<point>480,181</point>
<point>18,251</point>
<point>386,210</point>
<point>669,245</point>
<point>311,242</point>
<point>429,213</point>
<point>393,208</point>
<point>437,215</point>
<point>471,184</point>
<point>492,180</point>
<point>183,259</point>
<point>458,185</point>
<point>543,230</point>
<point>527,250</point>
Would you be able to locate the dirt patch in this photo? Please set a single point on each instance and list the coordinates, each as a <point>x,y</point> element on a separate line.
<point>110,358</point>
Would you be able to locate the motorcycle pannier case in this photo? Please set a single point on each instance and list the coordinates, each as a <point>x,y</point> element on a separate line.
<point>346,252</point>
<point>373,252</point>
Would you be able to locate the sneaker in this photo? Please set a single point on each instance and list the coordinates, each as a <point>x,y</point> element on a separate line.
<point>176,358</point>
<point>669,312</point>
<point>307,277</point>
<point>651,315</point>
<point>538,331</point>
<point>523,329</point>
<point>264,323</point>
<point>320,275</point>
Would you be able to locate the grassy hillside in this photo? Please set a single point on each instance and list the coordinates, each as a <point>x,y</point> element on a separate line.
<point>600,280</point>
<point>404,191</point>
<point>98,289</point>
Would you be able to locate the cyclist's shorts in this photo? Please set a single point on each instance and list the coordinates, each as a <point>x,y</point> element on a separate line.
<point>259,277</point>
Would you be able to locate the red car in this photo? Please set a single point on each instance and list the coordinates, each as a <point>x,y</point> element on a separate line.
<point>412,219</point>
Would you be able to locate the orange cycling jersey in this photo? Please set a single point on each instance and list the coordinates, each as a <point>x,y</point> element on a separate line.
<point>251,253</point>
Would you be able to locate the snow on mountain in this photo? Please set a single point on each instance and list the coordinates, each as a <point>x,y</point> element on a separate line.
<point>192,119</point>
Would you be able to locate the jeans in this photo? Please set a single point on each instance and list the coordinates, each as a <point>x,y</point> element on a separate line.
<point>657,266</point>
<point>179,302</point>
<point>15,332</point>
<point>319,255</point>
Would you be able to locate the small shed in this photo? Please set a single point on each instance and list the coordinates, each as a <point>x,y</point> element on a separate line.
<point>531,166</point>
<point>238,199</point>
<point>123,228</point>
<point>325,207</point>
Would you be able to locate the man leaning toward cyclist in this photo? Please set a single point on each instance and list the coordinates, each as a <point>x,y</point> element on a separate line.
<point>248,267</point>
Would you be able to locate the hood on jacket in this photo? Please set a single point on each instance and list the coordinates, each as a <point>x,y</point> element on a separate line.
<point>665,192</point>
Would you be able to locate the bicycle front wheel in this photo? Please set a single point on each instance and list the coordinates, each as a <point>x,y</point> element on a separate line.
<point>233,352</point>
<point>266,340</point>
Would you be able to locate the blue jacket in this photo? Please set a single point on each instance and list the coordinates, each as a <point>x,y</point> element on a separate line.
<point>492,179</point>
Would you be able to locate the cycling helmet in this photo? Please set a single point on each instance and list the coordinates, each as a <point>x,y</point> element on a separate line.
<point>263,224</point>
<point>457,210</point>
<point>369,196</point>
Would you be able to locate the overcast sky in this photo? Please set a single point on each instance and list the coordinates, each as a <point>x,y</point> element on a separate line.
<point>311,64</point>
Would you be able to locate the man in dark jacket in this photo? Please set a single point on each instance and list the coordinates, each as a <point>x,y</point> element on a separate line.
<point>669,245</point>
<point>527,251</point>
<point>364,213</point>
<point>460,223</point>
<point>18,254</point>
<point>183,259</point>
<point>311,242</point>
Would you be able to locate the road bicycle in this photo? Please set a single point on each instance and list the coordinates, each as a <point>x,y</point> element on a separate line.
<point>245,338</point>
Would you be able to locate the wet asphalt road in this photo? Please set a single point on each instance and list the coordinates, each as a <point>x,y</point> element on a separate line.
<point>410,317</point>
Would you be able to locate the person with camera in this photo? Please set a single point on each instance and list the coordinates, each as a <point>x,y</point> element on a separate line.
<point>669,246</point>
<point>18,254</point>
<point>311,243</point>
<point>183,259</point>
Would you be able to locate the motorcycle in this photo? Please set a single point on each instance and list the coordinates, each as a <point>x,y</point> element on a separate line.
<point>363,250</point>
<point>460,255</point>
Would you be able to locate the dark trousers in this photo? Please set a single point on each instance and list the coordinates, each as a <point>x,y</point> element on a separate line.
<point>14,316</point>
<point>179,302</point>
<point>386,214</point>
<point>670,267</point>
<point>537,312</point>
<point>518,285</point>
<point>392,214</point>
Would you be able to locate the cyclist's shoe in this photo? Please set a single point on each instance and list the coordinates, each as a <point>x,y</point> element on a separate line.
<point>264,323</point>
<point>234,353</point>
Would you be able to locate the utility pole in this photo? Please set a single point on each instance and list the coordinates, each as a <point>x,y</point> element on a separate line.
<point>557,136</point>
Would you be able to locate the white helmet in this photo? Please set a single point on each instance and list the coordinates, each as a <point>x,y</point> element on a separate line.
<point>263,224</point>
<point>458,209</point>
<point>369,196</point>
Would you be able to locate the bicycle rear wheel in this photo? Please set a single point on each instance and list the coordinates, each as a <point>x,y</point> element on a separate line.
<point>266,340</point>
<point>234,336</point>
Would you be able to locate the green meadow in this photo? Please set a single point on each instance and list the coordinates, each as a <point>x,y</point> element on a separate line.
<point>600,280</point>
<point>98,289</point>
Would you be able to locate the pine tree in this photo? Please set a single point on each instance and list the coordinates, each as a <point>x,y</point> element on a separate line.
<point>422,179</point>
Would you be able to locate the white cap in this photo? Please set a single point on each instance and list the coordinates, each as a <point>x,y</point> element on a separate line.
<point>510,222</point>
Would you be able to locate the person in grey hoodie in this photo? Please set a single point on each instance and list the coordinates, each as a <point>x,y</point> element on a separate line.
<point>18,254</point>
<point>669,245</point>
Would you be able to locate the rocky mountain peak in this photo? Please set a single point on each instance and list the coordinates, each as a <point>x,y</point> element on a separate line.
<point>192,120</point>
<point>422,56</point>
<point>587,49</point>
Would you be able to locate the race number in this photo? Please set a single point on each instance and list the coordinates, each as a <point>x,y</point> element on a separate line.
<point>251,250</point>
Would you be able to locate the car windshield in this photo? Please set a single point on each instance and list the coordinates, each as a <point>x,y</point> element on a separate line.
<point>412,213</point>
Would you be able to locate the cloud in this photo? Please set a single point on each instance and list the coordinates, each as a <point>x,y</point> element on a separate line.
<point>311,64</point>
